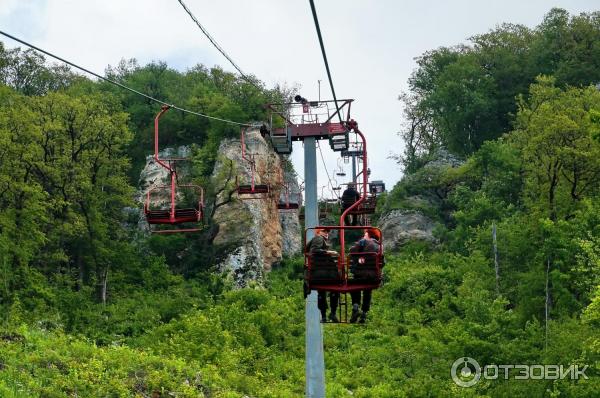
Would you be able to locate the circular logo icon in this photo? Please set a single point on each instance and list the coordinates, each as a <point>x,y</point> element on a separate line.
<point>466,372</point>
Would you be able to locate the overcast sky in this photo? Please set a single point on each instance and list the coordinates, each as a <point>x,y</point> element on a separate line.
<point>371,45</point>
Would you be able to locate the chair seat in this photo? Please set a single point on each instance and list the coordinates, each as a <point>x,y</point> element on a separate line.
<point>181,216</point>
<point>247,189</point>
<point>287,206</point>
<point>366,207</point>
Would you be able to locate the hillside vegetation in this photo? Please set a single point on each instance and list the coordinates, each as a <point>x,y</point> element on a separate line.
<point>91,307</point>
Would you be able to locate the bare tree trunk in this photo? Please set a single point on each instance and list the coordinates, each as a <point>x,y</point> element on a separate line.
<point>104,286</point>
<point>82,272</point>
<point>547,305</point>
<point>496,265</point>
<point>5,269</point>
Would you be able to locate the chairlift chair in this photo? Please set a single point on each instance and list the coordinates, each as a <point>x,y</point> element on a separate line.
<point>343,271</point>
<point>367,206</point>
<point>287,205</point>
<point>376,187</point>
<point>173,215</point>
<point>252,190</point>
<point>340,170</point>
<point>281,140</point>
<point>177,215</point>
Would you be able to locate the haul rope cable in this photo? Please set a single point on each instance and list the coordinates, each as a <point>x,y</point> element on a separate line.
<point>217,46</point>
<point>316,20</point>
<point>122,85</point>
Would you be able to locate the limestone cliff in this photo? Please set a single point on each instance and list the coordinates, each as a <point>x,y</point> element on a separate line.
<point>259,233</point>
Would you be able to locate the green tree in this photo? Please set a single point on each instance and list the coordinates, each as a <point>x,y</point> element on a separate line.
<point>561,158</point>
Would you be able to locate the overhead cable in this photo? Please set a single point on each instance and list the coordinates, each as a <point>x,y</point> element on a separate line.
<point>217,46</point>
<point>316,20</point>
<point>121,85</point>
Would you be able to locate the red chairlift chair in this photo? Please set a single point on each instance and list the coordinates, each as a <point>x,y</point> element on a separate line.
<point>343,271</point>
<point>330,271</point>
<point>252,190</point>
<point>173,215</point>
<point>287,205</point>
<point>365,207</point>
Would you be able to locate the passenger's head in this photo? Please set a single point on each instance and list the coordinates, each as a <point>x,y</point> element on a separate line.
<point>322,232</point>
<point>373,233</point>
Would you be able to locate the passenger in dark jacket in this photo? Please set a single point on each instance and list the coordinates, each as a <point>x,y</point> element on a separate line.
<point>368,244</point>
<point>349,197</point>
<point>320,243</point>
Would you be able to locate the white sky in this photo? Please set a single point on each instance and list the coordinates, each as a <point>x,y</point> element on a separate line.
<point>370,45</point>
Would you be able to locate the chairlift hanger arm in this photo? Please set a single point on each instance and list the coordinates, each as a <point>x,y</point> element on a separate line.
<point>163,110</point>
<point>354,125</point>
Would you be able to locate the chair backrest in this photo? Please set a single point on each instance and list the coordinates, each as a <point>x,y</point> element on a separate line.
<point>324,267</point>
<point>364,268</point>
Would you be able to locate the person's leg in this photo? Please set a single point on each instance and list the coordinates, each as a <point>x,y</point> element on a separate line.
<point>355,305</point>
<point>355,298</point>
<point>334,298</point>
<point>366,305</point>
<point>322,304</point>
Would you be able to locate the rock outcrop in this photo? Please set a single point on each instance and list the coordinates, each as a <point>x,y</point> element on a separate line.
<point>402,226</point>
<point>417,197</point>
<point>254,227</point>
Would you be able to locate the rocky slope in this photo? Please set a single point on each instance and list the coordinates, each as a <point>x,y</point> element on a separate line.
<point>417,197</point>
<point>402,226</point>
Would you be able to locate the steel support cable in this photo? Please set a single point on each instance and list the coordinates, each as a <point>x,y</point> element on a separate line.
<point>122,85</point>
<point>316,19</point>
<point>217,46</point>
<point>326,171</point>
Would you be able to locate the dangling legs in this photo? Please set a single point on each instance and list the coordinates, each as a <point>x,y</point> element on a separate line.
<point>366,305</point>
<point>348,218</point>
<point>355,304</point>
<point>334,298</point>
<point>322,304</point>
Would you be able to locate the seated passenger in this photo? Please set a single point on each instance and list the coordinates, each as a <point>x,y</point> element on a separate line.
<point>369,243</point>
<point>320,243</point>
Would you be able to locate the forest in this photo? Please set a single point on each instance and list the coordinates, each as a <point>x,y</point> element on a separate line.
<point>93,307</point>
